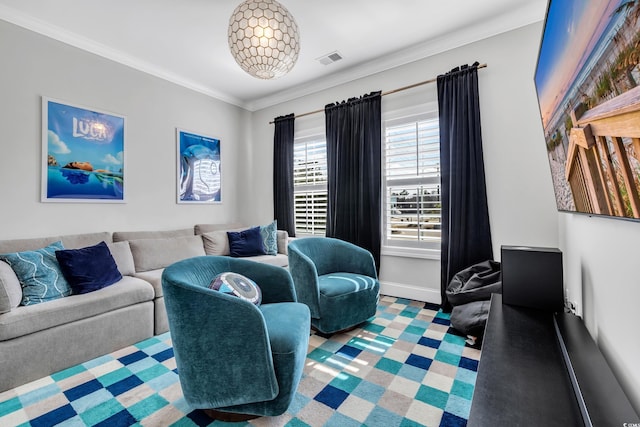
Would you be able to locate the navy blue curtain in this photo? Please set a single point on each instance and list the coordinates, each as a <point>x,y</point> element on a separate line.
<point>466,235</point>
<point>354,150</point>
<point>283,210</point>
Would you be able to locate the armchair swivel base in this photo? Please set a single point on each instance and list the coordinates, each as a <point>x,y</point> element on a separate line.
<point>229,417</point>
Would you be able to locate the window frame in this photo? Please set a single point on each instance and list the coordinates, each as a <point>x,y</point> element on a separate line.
<point>309,188</point>
<point>398,247</point>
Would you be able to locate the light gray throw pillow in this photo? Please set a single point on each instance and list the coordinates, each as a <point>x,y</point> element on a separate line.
<point>207,228</point>
<point>121,253</point>
<point>10,289</point>
<point>217,242</point>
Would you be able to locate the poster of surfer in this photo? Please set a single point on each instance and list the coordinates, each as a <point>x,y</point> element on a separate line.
<point>199,173</point>
<point>82,154</point>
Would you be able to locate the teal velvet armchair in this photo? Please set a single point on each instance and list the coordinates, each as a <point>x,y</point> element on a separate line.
<point>336,279</point>
<point>234,357</point>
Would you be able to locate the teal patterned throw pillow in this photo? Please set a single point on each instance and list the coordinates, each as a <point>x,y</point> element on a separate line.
<point>39,274</point>
<point>269,235</point>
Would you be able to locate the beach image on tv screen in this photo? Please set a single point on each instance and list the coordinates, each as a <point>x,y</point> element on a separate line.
<point>588,85</point>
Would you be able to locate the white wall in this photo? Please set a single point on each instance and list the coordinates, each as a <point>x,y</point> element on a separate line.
<point>600,255</point>
<point>602,276</point>
<point>35,66</point>
<point>521,203</point>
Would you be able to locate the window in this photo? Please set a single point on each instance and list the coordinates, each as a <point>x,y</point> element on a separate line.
<point>310,185</point>
<point>412,183</point>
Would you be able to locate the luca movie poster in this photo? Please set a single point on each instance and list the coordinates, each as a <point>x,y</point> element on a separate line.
<point>83,154</point>
<point>199,174</point>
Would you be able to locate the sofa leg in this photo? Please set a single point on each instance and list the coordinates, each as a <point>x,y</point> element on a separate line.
<point>229,417</point>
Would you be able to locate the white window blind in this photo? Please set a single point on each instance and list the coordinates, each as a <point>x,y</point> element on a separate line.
<point>310,185</point>
<point>412,183</point>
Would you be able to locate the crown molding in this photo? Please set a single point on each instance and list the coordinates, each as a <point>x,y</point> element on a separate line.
<point>526,15</point>
<point>73,39</point>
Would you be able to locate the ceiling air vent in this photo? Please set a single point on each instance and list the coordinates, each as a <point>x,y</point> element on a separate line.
<point>329,58</point>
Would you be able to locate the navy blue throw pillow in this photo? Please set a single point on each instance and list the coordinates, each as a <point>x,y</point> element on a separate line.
<point>88,269</point>
<point>246,242</point>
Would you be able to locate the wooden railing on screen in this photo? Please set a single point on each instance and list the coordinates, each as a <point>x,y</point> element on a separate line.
<point>604,150</point>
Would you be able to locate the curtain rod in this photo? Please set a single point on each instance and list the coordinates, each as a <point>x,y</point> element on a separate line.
<point>389,92</point>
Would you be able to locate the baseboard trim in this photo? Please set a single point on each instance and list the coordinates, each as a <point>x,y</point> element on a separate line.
<point>417,293</point>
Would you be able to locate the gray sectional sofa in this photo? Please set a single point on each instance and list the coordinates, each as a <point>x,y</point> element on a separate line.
<point>38,340</point>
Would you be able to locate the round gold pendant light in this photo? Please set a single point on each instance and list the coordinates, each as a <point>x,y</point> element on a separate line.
<point>264,38</point>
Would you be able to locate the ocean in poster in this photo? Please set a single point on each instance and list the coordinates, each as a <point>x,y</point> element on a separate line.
<point>79,184</point>
<point>85,154</point>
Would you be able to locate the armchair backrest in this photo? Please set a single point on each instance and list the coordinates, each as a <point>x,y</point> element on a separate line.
<point>331,255</point>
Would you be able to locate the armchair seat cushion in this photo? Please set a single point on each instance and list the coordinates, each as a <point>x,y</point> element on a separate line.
<point>337,284</point>
<point>345,300</point>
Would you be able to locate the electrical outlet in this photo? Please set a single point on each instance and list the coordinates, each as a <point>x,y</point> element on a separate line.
<point>570,306</point>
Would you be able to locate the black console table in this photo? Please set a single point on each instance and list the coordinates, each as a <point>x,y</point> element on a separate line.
<point>543,369</point>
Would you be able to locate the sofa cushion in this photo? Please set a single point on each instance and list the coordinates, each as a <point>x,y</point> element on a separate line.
<point>39,274</point>
<point>217,242</point>
<point>34,318</point>
<point>10,289</point>
<point>120,236</point>
<point>76,241</point>
<point>21,245</point>
<point>151,254</point>
<point>70,241</point>
<point>208,228</point>
<point>155,278</point>
<point>246,243</point>
<point>278,260</point>
<point>88,269</point>
<point>121,252</point>
<point>269,235</point>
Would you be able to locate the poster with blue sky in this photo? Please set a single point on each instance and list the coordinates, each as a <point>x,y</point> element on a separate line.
<point>83,152</point>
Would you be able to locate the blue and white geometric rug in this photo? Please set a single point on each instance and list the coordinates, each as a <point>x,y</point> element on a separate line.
<point>406,367</point>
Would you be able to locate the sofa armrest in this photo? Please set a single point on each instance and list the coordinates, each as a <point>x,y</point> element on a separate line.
<point>283,241</point>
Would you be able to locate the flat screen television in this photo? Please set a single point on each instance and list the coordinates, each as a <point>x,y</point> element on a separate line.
<point>587,80</point>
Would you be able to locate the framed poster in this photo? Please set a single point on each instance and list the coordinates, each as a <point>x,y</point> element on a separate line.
<point>82,154</point>
<point>199,168</point>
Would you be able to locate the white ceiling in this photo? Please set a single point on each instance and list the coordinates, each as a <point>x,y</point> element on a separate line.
<point>185,41</point>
